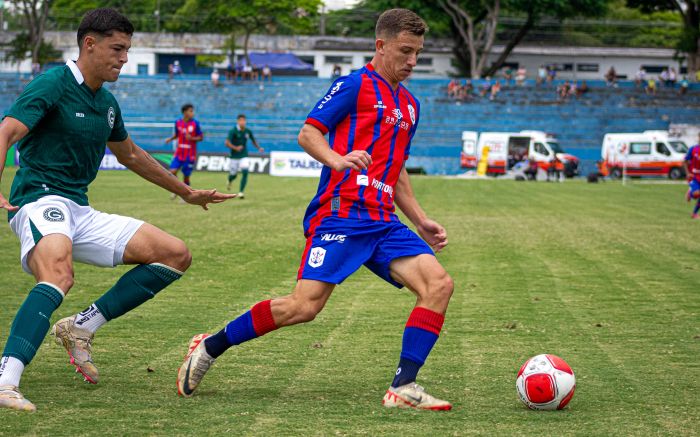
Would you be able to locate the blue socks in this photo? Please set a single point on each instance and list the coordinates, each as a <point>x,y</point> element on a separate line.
<point>419,337</point>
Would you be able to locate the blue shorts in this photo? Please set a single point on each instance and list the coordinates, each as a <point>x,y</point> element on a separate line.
<point>186,165</point>
<point>694,185</point>
<point>338,247</point>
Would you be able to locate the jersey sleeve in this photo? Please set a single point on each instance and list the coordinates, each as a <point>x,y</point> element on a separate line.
<point>119,132</point>
<point>251,136</point>
<point>38,98</point>
<point>689,155</point>
<point>413,130</point>
<point>197,129</point>
<point>229,136</point>
<point>340,99</point>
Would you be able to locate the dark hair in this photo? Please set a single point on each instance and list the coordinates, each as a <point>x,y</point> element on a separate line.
<point>394,21</point>
<point>104,22</point>
<point>240,116</point>
<point>186,106</point>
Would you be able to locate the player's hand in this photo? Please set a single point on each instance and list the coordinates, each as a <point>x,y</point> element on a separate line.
<point>205,197</point>
<point>167,140</point>
<point>4,204</point>
<point>433,234</point>
<point>357,160</point>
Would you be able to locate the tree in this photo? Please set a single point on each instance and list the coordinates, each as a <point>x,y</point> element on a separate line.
<point>690,12</point>
<point>34,14</point>
<point>474,25</point>
<point>146,15</point>
<point>21,44</point>
<point>246,17</point>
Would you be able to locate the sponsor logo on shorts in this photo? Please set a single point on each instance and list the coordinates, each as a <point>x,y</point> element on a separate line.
<point>110,117</point>
<point>362,179</point>
<point>316,257</point>
<point>53,214</point>
<point>340,238</point>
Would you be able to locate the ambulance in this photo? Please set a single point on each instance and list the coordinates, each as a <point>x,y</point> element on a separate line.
<point>649,153</point>
<point>503,150</point>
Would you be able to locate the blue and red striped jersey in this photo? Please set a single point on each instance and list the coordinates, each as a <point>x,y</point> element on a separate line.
<point>187,149</point>
<point>693,158</point>
<point>361,111</point>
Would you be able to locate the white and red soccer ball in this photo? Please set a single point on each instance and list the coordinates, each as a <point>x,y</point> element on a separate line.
<point>545,382</point>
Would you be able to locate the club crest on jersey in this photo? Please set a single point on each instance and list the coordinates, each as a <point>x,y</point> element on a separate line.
<point>110,117</point>
<point>53,214</point>
<point>412,113</point>
<point>330,95</point>
<point>316,257</point>
<point>340,238</point>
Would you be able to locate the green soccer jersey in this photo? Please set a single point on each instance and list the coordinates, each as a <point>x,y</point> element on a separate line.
<point>69,126</point>
<point>239,137</point>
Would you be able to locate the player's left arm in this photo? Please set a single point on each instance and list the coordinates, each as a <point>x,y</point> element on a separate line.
<point>143,164</point>
<point>431,231</point>
<point>198,134</point>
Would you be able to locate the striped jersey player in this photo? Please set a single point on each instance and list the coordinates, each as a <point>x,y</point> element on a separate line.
<point>188,134</point>
<point>370,119</point>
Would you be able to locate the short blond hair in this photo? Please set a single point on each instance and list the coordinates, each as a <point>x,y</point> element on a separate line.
<point>394,21</point>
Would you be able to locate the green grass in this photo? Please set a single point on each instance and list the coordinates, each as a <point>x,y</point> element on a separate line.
<point>603,275</point>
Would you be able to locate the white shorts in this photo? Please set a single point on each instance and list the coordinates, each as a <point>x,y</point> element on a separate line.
<point>238,164</point>
<point>98,238</point>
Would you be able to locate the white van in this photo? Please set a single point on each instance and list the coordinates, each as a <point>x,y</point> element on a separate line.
<point>506,149</point>
<point>650,153</point>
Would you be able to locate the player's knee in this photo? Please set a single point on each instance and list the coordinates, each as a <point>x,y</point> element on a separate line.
<point>178,256</point>
<point>441,288</point>
<point>61,277</point>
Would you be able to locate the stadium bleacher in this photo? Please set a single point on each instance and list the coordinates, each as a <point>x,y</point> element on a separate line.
<point>277,109</point>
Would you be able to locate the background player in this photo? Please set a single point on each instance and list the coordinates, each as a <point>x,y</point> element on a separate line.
<point>62,120</point>
<point>371,119</point>
<point>237,141</point>
<point>692,169</point>
<point>188,134</point>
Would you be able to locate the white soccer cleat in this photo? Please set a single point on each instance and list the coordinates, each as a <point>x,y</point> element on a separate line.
<point>241,196</point>
<point>197,362</point>
<point>78,344</point>
<point>413,396</point>
<point>10,397</point>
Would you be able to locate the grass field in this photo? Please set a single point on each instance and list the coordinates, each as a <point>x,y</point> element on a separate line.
<point>606,276</point>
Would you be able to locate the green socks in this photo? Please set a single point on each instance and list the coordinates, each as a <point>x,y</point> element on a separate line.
<point>134,288</point>
<point>244,180</point>
<point>32,322</point>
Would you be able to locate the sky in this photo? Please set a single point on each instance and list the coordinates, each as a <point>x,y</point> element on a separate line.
<point>337,4</point>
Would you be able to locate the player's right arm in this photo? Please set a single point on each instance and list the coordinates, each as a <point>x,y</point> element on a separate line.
<point>314,142</point>
<point>228,144</point>
<point>11,131</point>
<point>331,110</point>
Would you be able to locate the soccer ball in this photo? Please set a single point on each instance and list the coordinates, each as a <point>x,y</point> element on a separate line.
<point>545,382</point>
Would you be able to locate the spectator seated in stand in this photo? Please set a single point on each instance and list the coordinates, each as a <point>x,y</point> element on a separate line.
<point>582,89</point>
<point>266,73</point>
<point>640,77</point>
<point>520,76</point>
<point>215,77</point>
<point>650,89</point>
<point>611,77</point>
<point>683,90</point>
<point>495,89</point>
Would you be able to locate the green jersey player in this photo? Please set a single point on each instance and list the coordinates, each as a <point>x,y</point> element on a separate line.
<point>62,121</point>
<point>237,141</point>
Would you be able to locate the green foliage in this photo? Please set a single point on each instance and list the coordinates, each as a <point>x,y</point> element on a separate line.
<point>245,17</point>
<point>20,49</point>
<point>209,60</point>
<point>142,13</point>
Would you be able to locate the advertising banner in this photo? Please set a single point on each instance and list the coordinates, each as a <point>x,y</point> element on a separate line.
<point>220,162</point>
<point>294,164</point>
